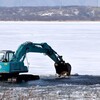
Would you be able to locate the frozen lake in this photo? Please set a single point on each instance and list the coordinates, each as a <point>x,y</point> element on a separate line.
<point>77,42</point>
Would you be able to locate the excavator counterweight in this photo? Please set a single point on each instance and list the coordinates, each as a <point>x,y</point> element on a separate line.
<point>12,63</point>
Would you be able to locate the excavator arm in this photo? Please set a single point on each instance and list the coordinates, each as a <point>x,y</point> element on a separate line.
<point>60,65</point>
<point>36,48</point>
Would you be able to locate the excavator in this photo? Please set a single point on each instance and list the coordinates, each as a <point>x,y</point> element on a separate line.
<point>12,63</point>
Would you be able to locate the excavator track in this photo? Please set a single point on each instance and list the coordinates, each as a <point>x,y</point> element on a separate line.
<point>15,78</point>
<point>27,77</point>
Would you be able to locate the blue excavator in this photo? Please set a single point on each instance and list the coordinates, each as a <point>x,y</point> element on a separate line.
<point>12,63</point>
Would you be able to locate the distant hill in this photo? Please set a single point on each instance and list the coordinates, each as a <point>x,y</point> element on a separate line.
<point>14,3</point>
<point>69,13</point>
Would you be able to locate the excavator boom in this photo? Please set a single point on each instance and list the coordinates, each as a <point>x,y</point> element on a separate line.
<point>36,48</point>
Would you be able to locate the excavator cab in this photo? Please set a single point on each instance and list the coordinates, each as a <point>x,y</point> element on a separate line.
<point>9,66</point>
<point>6,55</point>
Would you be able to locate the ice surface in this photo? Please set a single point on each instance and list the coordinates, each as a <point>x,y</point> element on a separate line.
<point>77,42</point>
<point>82,87</point>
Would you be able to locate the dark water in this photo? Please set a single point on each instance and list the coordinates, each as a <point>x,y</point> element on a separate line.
<point>75,87</point>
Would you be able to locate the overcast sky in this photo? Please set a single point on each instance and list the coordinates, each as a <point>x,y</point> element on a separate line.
<point>48,2</point>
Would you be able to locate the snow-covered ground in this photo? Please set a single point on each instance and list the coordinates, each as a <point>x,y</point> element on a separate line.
<point>77,42</point>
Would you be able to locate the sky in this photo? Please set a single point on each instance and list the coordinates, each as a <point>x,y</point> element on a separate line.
<point>11,3</point>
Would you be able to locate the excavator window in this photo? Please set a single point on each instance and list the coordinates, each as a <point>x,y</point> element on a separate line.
<point>1,56</point>
<point>9,56</point>
<point>6,56</point>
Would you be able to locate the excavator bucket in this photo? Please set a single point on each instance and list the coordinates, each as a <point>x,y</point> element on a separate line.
<point>63,69</point>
